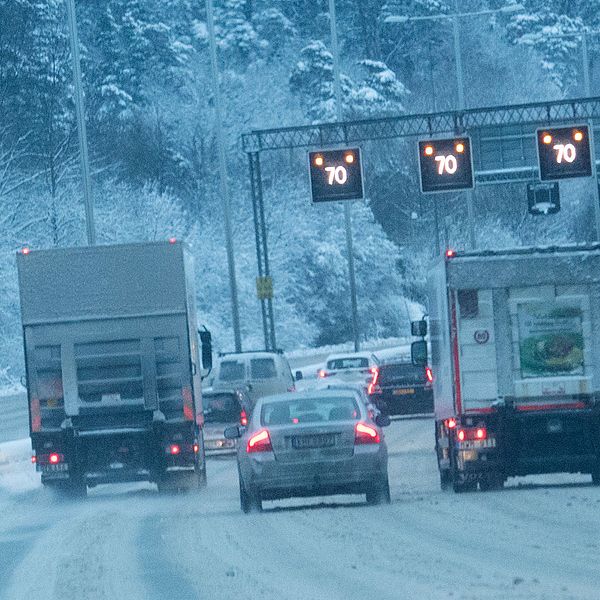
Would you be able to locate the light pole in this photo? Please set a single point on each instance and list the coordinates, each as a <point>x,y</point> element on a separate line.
<point>460,91</point>
<point>218,100</point>
<point>81,128</point>
<point>347,216</point>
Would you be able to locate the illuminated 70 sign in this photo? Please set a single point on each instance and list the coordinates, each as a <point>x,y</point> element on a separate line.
<point>335,175</point>
<point>445,164</point>
<point>564,152</point>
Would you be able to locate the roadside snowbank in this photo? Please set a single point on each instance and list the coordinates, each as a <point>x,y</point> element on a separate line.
<point>17,474</point>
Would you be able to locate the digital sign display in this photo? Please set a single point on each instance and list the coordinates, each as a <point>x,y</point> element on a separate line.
<point>446,164</point>
<point>564,152</point>
<point>335,175</point>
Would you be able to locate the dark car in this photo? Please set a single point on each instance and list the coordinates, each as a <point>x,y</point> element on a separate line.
<point>401,388</point>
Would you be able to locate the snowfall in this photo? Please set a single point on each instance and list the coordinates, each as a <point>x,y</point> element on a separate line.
<point>539,538</point>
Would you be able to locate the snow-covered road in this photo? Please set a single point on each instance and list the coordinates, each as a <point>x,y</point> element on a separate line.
<point>540,538</point>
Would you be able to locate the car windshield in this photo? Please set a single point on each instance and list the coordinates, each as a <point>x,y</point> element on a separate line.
<point>349,362</point>
<point>262,368</point>
<point>310,410</point>
<point>221,408</point>
<point>232,370</point>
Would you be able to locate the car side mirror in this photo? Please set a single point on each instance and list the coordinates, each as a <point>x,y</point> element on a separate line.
<point>418,353</point>
<point>419,328</point>
<point>234,432</point>
<point>206,342</point>
<point>298,375</point>
<point>383,420</point>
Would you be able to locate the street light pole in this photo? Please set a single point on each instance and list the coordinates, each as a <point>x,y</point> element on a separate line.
<point>235,314</point>
<point>81,128</point>
<point>347,215</point>
<point>587,88</point>
<point>460,91</point>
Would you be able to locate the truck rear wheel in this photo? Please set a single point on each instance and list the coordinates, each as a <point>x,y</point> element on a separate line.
<point>445,479</point>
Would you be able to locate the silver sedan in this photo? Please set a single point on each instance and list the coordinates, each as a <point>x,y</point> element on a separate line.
<point>311,444</point>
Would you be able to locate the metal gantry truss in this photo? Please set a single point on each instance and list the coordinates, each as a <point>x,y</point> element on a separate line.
<point>507,132</point>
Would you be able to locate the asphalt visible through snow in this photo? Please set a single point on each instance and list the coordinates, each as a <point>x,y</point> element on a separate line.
<point>537,539</point>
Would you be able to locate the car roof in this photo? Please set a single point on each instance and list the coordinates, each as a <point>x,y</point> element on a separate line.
<point>367,355</point>
<point>238,355</point>
<point>308,395</point>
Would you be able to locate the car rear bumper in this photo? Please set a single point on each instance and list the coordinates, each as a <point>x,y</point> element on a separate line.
<point>284,480</point>
<point>418,402</point>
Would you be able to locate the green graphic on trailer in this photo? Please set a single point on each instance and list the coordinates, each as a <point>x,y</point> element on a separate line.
<point>550,340</point>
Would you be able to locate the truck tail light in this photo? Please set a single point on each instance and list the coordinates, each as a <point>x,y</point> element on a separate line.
<point>260,442</point>
<point>196,447</point>
<point>365,434</point>
<point>451,423</point>
<point>471,433</point>
<point>174,449</point>
<point>54,458</point>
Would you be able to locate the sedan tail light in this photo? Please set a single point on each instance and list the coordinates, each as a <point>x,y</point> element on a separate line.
<point>373,386</point>
<point>365,434</point>
<point>243,418</point>
<point>260,442</point>
<point>323,373</point>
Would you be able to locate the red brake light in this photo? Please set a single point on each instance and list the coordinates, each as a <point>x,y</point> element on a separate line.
<point>480,433</point>
<point>260,442</point>
<point>450,253</point>
<point>323,373</point>
<point>172,240</point>
<point>373,385</point>
<point>174,449</point>
<point>54,458</point>
<point>365,434</point>
<point>33,459</point>
<point>196,448</point>
<point>243,418</point>
<point>429,374</point>
<point>25,251</point>
<point>451,423</point>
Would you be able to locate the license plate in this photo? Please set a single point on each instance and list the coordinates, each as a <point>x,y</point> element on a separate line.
<point>403,391</point>
<point>55,468</point>
<point>313,441</point>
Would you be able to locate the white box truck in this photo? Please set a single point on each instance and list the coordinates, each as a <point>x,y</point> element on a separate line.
<point>515,355</point>
<point>113,367</point>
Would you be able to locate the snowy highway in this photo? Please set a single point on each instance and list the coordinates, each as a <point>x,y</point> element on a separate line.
<point>539,538</point>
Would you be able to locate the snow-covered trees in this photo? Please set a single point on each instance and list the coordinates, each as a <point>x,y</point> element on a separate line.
<point>380,93</point>
<point>151,136</point>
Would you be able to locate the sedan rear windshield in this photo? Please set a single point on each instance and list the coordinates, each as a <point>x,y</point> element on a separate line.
<point>310,410</point>
<point>221,408</point>
<point>352,362</point>
<point>232,370</point>
<point>398,371</point>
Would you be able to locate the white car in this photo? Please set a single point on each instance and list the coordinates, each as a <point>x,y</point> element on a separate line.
<point>360,368</point>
